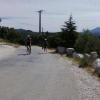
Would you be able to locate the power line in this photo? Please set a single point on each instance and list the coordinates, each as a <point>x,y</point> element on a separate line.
<point>54,13</point>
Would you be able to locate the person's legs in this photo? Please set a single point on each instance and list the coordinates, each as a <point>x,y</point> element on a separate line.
<point>42,46</point>
<point>45,49</point>
<point>28,49</point>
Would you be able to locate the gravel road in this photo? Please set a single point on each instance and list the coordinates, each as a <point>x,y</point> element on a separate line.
<point>38,76</point>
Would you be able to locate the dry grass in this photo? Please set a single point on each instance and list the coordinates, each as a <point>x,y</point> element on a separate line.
<point>4,42</point>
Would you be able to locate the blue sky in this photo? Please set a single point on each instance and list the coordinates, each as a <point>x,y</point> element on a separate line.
<point>22,13</point>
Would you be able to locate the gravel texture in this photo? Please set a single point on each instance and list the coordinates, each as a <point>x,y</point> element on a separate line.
<point>6,51</point>
<point>89,85</point>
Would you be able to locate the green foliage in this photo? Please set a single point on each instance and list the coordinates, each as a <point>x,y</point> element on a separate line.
<point>69,34</point>
<point>83,63</point>
<point>87,42</point>
<point>15,36</point>
<point>55,41</point>
<point>69,25</point>
<point>19,35</point>
<point>9,34</point>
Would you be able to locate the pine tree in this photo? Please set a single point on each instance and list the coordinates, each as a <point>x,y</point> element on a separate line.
<point>69,33</point>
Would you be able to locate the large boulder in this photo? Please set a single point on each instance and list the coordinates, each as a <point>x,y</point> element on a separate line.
<point>87,56</point>
<point>96,65</point>
<point>78,55</point>
<point>70,51</point>
<point>94,55</point>
<point>61,50</point>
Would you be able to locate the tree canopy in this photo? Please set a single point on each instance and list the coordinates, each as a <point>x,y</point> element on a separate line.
<point>69,33</point>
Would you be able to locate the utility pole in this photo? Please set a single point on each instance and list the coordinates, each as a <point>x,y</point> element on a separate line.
<point>0,20</point>
<point>42,31</point>
<point>40,11</point>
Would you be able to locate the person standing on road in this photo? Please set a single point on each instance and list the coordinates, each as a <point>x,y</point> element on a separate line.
<point>28,43</point>
<point>45,44</point>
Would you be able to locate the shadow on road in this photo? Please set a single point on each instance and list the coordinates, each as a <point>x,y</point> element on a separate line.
<point>42,53</point>
<point>49,52</point>
<point>24,54</point>
<point>52,52</point>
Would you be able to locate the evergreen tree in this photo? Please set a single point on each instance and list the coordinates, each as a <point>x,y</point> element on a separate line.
<point>69,33</point>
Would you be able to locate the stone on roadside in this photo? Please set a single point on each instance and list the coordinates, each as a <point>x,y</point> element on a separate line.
<point>78,55</point>
<point>94,55</point>
<point>96,65</point>
<point>87,56</point>
<point>70,51</point>
<point>61,50</point>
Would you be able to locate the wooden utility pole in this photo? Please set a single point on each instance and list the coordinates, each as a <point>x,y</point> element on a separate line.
<point>40,11</point>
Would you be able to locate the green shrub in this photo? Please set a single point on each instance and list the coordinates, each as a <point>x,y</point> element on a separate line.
<point>83,63</point>
<point>87,43</point>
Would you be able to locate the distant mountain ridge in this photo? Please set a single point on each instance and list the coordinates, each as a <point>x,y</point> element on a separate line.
<point>26,31</point>
<point>96,31</point>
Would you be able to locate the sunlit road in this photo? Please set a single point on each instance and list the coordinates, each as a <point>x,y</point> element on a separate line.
<point>36,77</point>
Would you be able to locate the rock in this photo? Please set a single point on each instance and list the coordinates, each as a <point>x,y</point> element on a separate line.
<point>78,55</point>
<point>87,56</point>
<point>94,55</point>
<point>96,65</point>
<point>70,51</point>
<point>61,50</point>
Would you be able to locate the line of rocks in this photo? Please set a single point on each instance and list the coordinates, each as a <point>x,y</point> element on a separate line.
<point>91,58</point>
